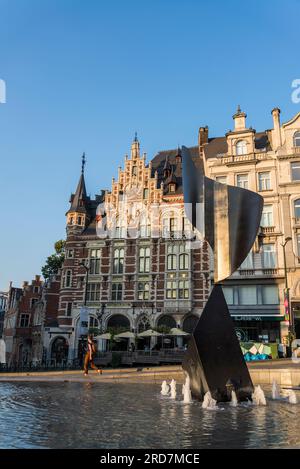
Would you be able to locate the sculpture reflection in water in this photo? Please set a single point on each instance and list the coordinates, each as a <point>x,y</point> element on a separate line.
<point>228,218</point>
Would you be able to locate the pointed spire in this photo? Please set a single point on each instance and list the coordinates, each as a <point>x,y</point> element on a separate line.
<point>78,199</point>
<point>83,162</point>
<point>135,148</point>
<point>167,167</point>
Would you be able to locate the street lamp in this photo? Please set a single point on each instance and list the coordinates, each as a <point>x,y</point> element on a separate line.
<point>287,291</point>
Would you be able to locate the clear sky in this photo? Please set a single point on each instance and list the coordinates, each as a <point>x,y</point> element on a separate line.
<point>85,75</point>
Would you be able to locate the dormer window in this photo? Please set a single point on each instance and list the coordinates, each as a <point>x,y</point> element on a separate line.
<point>71,220</point>
<point>297,139</point>
<point>79,220</point>
<point>241,147</point>
<point>172,187</point>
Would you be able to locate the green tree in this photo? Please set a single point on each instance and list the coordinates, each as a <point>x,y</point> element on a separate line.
<point>55,261</point>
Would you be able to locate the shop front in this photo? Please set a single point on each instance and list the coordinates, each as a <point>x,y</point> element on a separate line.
<point>251,328</point>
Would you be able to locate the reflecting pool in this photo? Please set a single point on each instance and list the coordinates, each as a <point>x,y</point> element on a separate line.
<point>86,415</point>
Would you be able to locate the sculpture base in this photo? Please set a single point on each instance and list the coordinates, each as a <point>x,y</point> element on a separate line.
<point>214,360</point>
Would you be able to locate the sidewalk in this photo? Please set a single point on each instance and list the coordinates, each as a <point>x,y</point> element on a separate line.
<point>284,371</point>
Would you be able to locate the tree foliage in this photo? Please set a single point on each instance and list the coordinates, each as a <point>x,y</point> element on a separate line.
<point>55,261</point>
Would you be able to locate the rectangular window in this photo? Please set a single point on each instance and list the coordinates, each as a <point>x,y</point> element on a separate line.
<point>171,290</point>
<point>242,180</point>
<point>298,245</point>
<point>145,193</point>
<point>93,292</point>
<point>221,179</point>
<point>172,257</point>
<point>143,291</point>
<point>183,289</point>
<point>173,225</point>
<point>116,292</point>
<point>247,295</point>
<point>165,228</point>
<point>69,309</point>
<point>186,226</point>
<point>228,293</point>
<point>145,230</point>
<point>267,216</point>
<point>118,266</point>
<point>295,171</point>
<point>24,320</point>
<point>270,295</point>
<point>70,253</point>
<point>264,181</point>
<point>144,259</point>
<point>68,278</point>
<point>269,256</point>
<point>95,261</point>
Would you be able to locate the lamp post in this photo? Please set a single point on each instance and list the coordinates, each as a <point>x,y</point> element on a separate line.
<point>287,292</point>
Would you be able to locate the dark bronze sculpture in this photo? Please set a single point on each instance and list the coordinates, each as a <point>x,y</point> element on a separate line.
<point>228,217</point>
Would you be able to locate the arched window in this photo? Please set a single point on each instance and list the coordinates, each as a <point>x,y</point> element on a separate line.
<point>118,321</point>
<point>297,208</point>
<point>167,321</point>
<point>190,323</point>
<point>172,257</point>
<point>297,139</point>
<point>94,322</point>
<point>118,261</point>
<point>241,147</point>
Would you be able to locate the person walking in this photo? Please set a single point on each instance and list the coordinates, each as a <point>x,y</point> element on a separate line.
<point>89,356</point>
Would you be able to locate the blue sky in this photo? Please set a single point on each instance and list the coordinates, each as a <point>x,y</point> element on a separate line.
<point>85,75</point>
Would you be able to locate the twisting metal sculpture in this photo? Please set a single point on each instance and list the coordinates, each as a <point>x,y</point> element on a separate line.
<point>228,218</point>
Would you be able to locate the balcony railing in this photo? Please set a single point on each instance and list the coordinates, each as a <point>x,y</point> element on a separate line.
<point>243,158</point>
<point>270,271</point>
<point>246,271</point>
<point>296,150</point>
<point>267,229</point>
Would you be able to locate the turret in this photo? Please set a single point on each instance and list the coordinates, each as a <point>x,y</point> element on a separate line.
<point>77,214</point>
<point>135,148</point>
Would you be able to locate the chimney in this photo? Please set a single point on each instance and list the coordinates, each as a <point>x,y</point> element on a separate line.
<point>202,137</point>
<point>276,132</point>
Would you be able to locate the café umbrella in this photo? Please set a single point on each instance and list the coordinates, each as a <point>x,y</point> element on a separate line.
<point>150,333</point>
<point>177,332</point>
<point>125,335</point>
<point>106,336</point>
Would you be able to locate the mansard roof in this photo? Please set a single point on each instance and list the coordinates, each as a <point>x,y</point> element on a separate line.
<point>169,156</point>
<point>218,146</point>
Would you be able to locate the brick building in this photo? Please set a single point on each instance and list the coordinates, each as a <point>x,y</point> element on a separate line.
<point>31,310</point>
<point>145,267</point>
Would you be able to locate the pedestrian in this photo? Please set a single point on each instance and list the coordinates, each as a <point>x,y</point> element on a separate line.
<point>89,356</point>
